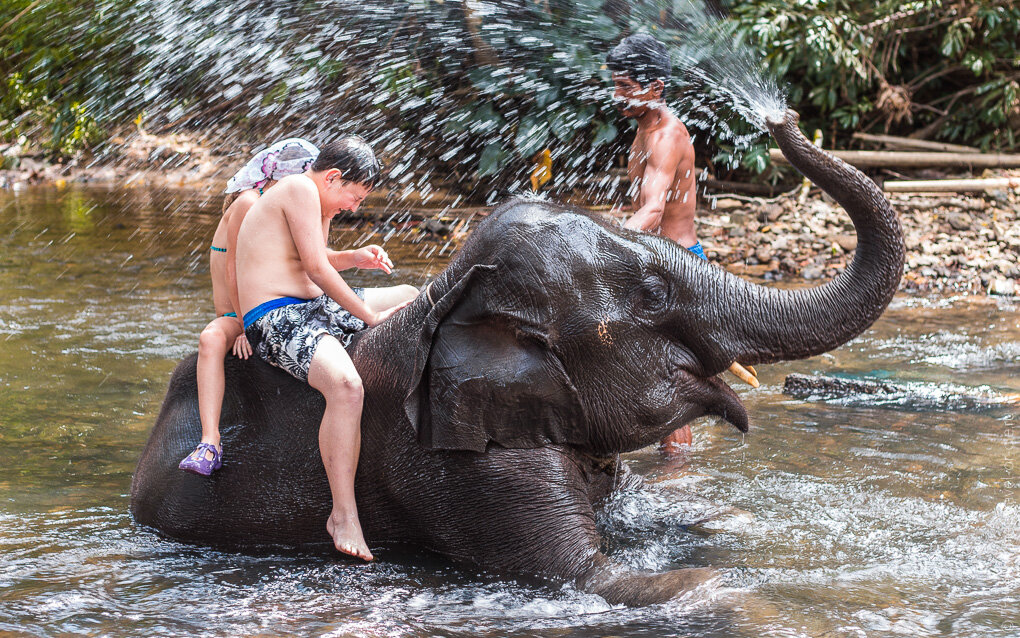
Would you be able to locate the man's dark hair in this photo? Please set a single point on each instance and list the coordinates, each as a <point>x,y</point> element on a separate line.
<point>642,58</point>
<point>353,157</point>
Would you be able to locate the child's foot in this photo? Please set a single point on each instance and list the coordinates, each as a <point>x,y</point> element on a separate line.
<point>204,460</point>
<point>347,536</point>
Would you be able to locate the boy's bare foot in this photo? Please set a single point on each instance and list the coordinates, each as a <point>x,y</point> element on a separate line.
<point>347,536</point>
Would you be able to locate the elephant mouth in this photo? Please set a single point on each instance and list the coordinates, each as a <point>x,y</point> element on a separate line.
<point>712,396</point>
<point>727,405</point>
<point>702,395</point>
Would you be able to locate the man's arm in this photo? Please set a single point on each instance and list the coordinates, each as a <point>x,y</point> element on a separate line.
<point>660,169</point>
<point>306,231</point>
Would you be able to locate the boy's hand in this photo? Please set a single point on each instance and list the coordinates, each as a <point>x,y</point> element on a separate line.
<point>373,258</point>
<point>389,312</point>
<point>242,349</point>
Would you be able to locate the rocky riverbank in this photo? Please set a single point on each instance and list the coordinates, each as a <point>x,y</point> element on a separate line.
<point>955,244</point>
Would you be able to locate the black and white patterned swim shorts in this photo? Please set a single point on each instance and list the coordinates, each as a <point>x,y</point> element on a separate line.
<point>286,337</point>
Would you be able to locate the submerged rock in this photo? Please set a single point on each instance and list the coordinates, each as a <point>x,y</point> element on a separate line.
<point>873,392</point>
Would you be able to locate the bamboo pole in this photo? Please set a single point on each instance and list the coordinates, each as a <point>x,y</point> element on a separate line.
<point>901,159</point>
<point>917,145</point>
<point>953,185</point>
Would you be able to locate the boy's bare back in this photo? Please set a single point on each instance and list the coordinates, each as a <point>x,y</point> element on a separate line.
<point>268,262</point>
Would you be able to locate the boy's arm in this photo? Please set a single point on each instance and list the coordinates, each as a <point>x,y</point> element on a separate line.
<point>660,169</point>
<point>306,231</point>
<point>367,258</point>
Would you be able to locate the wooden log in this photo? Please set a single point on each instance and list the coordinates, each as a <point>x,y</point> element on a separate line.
<point>900,143</point>
<point>953,185</point>
<point>902,159</point>
<point>741,187</point>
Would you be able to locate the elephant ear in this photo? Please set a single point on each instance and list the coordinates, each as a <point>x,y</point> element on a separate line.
<point>484,377</point>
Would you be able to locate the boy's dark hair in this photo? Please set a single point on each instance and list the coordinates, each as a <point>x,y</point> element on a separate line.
<point>642,58</point>
<point>353,157</point>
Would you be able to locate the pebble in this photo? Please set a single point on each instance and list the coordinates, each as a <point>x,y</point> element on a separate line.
<point>1002,286</point>
<point>812,272</point>
<point>771,212</point>
<point>960,221</point>
<point>847,242</point>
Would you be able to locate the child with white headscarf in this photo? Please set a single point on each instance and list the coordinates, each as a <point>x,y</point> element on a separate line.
<point>286,157</point>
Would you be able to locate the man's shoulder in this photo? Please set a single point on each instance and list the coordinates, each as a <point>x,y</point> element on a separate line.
<point>673,129</point>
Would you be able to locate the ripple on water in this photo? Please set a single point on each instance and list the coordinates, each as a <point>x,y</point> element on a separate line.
<point>85,571</point>
<point>955,350</point>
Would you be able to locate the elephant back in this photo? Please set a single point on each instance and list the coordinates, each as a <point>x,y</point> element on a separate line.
<point>272,488</point>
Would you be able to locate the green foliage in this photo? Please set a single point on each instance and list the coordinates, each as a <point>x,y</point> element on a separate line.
<point>944,70</point>
<point>63,63</point>
<point>476,89</point>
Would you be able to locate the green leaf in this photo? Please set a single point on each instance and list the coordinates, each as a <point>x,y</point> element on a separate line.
<point>532,134</point>
<point>605,132</point>
<point>492,160</point>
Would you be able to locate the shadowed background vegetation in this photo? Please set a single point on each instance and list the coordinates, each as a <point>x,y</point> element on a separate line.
<point>457,91</point>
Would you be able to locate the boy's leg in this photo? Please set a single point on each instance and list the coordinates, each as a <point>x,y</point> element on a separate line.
<point>213,345</point>
<point>379,299</point>
<point>332,373</point>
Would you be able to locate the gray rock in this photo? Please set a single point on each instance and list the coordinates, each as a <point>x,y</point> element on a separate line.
<point>771,212</point>
<point>999,196</point>
<point>847,242</point>
<point>812,272</point>
<point>1002,286</point>
<point>960,221</point>
<point>763,254</point>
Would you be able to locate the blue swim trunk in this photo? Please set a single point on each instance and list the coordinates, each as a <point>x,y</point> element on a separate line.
<point>287,334</point>
<point>698,250</point>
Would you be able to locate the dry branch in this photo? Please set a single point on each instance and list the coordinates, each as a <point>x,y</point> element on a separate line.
<point>906,143</point>
<point>879,159</point>
<point>953,185</point>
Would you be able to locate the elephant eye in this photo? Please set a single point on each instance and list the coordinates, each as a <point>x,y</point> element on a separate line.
<point>652,294</point>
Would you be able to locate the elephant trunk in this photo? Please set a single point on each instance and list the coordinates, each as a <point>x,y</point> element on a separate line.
<point>757,324</point>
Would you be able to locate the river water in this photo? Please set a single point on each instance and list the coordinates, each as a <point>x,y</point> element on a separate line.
<point>830,518</point>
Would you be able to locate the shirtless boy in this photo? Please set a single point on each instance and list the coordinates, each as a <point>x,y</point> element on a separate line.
<point>299,314</point>
<point>661,161</point>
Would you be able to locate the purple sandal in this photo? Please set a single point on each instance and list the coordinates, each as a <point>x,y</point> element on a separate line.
<point>197,463</point>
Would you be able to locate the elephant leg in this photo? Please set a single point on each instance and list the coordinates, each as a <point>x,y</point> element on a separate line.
<point>621,585</point>
<point>530,512</point>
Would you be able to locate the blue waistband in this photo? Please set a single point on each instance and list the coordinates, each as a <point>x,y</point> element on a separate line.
<point>260,310</point>
<point>218,249</point>
<point>698,250</point>
<point>230,314</point>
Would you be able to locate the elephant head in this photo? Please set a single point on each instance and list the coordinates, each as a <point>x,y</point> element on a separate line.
<point>552,326</point>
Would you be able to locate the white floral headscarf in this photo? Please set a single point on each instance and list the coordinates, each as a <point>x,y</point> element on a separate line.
<point>286,157</point>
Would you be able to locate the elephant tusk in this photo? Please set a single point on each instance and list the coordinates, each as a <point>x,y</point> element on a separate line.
<point>752,371</point>
<point>741,373</point>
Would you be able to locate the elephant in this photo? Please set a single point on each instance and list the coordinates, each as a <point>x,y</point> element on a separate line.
<point>552,342</point>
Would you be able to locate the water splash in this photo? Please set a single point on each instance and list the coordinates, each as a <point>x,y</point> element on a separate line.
<point>457,94</point>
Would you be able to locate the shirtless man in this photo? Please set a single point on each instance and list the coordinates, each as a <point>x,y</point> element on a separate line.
<point>299,314</point>
<point>661,161</point>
